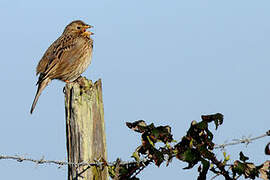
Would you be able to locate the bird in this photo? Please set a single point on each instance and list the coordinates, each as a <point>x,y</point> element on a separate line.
<point>66,58</point>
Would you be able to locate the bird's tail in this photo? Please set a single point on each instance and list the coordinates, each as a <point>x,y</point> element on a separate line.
<point>41,86</point>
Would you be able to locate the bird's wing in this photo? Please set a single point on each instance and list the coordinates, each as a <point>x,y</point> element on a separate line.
<point>71,60</point>
<point>53,56</point>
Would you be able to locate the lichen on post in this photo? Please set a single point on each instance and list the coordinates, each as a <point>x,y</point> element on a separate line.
<point>86,141</point>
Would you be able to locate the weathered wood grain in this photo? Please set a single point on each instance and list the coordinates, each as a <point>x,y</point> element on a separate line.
<point>85,129</point>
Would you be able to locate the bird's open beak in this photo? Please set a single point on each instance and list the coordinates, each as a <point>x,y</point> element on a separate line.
<point>87,33</point>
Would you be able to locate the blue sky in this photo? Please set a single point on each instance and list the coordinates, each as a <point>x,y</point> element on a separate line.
<point>166,62</point>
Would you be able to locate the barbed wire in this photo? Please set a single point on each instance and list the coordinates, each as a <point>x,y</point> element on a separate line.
<point>44,161</point>
<point>100,163</point>
<point>243,140</point>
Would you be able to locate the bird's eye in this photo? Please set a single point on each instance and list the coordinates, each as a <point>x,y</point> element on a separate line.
<point>78,27</point>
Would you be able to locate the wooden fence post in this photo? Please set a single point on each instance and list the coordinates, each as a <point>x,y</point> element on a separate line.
<point>85,129</point>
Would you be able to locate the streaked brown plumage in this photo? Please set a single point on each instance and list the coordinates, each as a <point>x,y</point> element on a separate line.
<point>67,58</point>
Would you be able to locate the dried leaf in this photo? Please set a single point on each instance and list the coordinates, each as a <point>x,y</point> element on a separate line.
<point>265,171</point>
<point>243,157</point>
<point>217,118</point>
<point>138,126</point>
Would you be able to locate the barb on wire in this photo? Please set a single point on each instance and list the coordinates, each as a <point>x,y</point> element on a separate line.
<point>242,141</point>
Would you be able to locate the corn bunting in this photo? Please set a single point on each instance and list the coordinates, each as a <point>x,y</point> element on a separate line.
<point>67,58</point>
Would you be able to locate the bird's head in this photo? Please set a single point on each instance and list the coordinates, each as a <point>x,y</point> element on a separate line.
<point>78,26</point>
